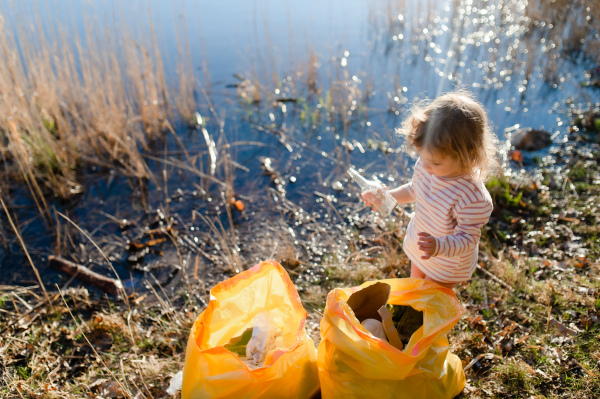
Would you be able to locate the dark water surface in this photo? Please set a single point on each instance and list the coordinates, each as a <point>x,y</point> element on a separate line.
<point>374,57</point>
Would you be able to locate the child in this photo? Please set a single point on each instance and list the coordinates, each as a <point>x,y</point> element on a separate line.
<point>456,151</point>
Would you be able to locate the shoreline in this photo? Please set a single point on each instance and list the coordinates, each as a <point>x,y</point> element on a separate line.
<point>533,328</point>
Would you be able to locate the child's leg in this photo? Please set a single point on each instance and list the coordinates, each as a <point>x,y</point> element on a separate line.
<point>418,273</point>
<point>415,272</point>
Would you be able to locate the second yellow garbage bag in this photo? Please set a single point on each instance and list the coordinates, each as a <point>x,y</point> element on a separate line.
<point>355,364</point>
<point>212,371</point>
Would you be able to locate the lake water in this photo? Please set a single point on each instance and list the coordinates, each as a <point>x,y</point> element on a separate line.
<point>369,60</point>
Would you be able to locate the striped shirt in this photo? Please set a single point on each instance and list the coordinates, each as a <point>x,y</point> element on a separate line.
<point>453,210</point>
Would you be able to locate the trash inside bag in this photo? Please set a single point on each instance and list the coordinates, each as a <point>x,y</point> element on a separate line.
<point>375,327</point>
<point>406,320</point>
<point>250,342</point>
<point>264,339</point>
<point>355,363</point>
<point>253,345</point>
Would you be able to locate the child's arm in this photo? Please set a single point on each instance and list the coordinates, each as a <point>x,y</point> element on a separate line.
<point>403,194</point>
<point>469,222</point>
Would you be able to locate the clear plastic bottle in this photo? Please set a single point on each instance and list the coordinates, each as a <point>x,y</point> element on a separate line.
<point>388,203</point>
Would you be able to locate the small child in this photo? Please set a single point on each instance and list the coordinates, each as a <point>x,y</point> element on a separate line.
<point>456,151</point>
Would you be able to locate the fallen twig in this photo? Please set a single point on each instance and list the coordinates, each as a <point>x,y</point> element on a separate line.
<point>496,279</point>
<point>106,284</point>
<point>86,235</point>
<point>479,357</point>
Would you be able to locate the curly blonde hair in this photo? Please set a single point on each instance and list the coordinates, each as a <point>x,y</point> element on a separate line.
<point>455,125</point>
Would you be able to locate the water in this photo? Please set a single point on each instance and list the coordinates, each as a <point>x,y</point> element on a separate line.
<point>369,59</point>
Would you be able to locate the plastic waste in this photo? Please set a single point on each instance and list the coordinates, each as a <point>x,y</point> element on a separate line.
<point>263,338</point>
<point>355,364</point>
<point>388,203</point>
<point>375,327</point>
<point>215,364</point>
<point>175,383</point>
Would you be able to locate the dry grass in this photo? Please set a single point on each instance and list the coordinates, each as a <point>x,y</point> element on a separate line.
<point>89,346</point>
<point>69,100</point>
<point>508,334</point>
<point>574,24</point>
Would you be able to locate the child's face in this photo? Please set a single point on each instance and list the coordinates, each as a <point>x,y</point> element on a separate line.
<point>439,165</point>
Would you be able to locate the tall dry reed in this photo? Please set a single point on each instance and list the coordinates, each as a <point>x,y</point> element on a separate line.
<point>67,100</point>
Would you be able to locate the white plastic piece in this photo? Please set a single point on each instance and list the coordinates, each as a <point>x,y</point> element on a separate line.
<point>388,203</point>
<point>175,384</point>
<point>264,334</point>
<point>375,327</point>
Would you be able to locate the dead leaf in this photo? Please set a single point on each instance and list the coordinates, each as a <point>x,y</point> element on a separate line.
<point>510,327</point>
<point>141,245</point>
<point>155,241</point>
<point>134,246</point>
<point>100,339</point>
<point>581,261</point>
<point>589,320</point>
<point>239,205</point>
<point>575,221</point>
<point>477,321</point>
<point>107,389</point>
<point>523,339</point>
<point>564,330</point>
<point>516,156</point>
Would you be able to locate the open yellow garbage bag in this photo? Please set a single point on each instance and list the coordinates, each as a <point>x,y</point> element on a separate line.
<point>211,371</point>
<point>355,364</point>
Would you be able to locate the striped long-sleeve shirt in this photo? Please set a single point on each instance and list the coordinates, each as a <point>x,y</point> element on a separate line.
<point>453,210</point>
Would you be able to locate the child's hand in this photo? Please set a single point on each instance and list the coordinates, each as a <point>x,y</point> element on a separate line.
<point>427,244</point>
<point>371,199</point>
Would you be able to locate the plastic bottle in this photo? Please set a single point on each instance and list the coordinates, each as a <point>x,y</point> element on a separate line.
<point>387,201</point>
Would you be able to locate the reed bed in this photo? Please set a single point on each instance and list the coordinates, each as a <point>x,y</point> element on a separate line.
<point>102,98</point>
<point>70,100</point>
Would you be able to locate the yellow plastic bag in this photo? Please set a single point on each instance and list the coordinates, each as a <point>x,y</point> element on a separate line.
<point>211,371</point>
<point>354,364</point>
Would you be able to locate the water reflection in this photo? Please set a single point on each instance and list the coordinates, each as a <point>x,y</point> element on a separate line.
<point>517,56</point>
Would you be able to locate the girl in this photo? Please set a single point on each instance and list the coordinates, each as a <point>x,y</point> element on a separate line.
<point>456,151</point>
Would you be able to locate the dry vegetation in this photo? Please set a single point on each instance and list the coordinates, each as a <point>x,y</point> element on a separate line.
<point>577,24</point>
<point>532,320</point>
<point>531,327</point>
<point>69,101</point>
